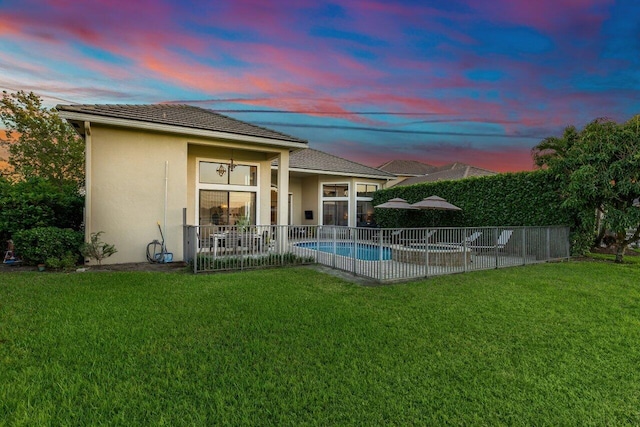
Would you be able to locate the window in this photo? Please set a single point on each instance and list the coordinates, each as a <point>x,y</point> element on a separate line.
<point>335,204</point>
<point>226,197</point>
<point>367,190</point>
<point>335,213</point>
<point>364,214</point>
<point>219,173</point>
<point>227,207</point>
<point>274,208</point>
<point>335,190</point>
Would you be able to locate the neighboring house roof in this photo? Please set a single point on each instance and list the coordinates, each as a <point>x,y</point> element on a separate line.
<point>182,116</point>
<point>455,171</point>
<point>310,160</point>
<point>407,167</point>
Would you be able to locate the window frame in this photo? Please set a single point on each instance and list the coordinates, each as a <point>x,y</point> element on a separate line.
<point>364,199</point>
<point>225,187</point>
<point>324,198</point>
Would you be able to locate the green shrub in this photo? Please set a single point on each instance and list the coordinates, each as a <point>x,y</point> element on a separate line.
<point>511,199</point>
<point>48,245</point>
<point>97,249</point>
<point>67,262</point>
<point>38,203</point>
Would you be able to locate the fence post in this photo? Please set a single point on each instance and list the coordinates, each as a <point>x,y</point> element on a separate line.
<point>193,246</point>
<point>464,248</point>
<point>495,242</point>
<point>354,255</point>
<point>524,245</point>
<point>548,254</point>
<point>318,232</point>
<point>380,249</point>
<point>335,244</point>
<point>426,255</point>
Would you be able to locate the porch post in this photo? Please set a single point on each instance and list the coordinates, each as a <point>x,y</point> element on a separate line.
<point>283,199</point>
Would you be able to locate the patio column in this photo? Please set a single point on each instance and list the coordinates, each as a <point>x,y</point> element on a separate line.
<point>283,198</point>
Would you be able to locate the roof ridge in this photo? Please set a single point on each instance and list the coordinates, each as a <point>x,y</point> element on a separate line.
<point>347,160</point>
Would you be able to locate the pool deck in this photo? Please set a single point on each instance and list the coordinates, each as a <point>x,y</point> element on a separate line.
<point>394,271</point>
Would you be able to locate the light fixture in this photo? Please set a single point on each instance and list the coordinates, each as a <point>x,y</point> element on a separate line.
<point>221,170</point>
<point>231,165</point>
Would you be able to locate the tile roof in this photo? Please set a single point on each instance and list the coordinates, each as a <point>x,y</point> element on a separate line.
<point>456,171</point>
<point>407,167</point>
<point>315,160</point>
<point>185,116</point>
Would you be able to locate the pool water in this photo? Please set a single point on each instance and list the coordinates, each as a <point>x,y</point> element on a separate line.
<point>363,252</point>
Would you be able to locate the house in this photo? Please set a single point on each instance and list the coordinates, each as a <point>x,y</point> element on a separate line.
<point>449,172</point>
<point>404,169</point>
<point>180,164</point>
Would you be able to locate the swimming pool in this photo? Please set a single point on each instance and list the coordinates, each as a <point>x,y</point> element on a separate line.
<point>363,251</point>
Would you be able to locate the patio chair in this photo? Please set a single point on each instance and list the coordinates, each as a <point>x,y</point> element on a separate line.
<point>469,240</point>
<point>394,237</point>
<point>501,242</point>
<point>418,238</point>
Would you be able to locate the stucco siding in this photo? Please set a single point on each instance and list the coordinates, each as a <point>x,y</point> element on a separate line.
<point>128,190</point>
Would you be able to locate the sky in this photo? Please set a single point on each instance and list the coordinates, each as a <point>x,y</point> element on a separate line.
<point>439,81</point>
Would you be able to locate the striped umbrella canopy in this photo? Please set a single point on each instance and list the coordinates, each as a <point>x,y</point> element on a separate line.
<point>435,202</point>
<point>396,203</point>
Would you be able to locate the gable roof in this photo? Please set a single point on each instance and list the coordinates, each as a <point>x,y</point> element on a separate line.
<point>455,171</point>
<point>310,160</point>
<point>186,117</point>
<point>406,167</point>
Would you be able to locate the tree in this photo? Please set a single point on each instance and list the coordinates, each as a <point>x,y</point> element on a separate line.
<point>40,143</point>
<point>601,165</point>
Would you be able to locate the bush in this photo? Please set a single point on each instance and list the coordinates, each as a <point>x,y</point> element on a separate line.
<point>38,203</point>
<point>97,249</point>
<point>510,199</point>
<point>56,247</point>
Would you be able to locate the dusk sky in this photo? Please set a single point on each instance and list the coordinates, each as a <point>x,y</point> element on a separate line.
<point>474,81</point>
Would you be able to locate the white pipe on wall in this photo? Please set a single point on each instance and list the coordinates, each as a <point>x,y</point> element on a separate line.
<point>166,193</point>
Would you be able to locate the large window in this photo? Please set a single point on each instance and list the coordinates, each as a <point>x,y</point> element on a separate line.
<point>335,204</point>
<point>227,196</point>
<point>364,206</point>
<point>227,207</point>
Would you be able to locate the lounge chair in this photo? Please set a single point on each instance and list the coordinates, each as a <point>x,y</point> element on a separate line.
<point>417,238</point>
<point>469,240</point>
<point>501,242</point>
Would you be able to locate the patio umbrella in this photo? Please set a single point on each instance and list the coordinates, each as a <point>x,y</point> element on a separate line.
<point>435,202</point>
<point>396,203</point>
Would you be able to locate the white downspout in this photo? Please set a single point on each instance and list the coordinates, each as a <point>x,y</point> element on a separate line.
<point>166,194</point>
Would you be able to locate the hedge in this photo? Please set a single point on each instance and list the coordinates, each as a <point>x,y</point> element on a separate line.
<point>38,203</point>
<point>510,199</point>
<point>55,247</point>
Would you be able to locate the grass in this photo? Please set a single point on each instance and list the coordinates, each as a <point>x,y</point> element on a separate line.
<point>552,344</point>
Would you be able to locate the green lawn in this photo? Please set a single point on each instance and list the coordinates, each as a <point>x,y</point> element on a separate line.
<point>551,344</point>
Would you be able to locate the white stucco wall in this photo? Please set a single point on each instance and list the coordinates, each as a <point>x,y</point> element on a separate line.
<point>127,185</point>
<point>128,190</point>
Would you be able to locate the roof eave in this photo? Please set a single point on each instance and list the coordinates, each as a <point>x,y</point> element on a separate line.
<point>158,127</point>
